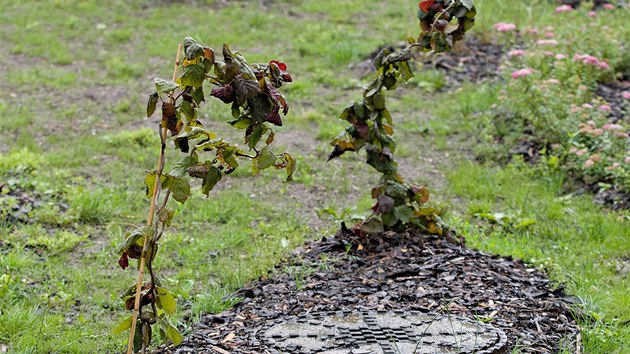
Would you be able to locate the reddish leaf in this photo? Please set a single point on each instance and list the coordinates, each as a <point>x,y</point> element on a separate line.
<point>362,129</point>
<point>425,5</point>
<point>277,98</point>
<point>225,93</point>
<point>282,66</point>
<point>274,118</point>
<point>422,194</point>
<point>286,77</point>
<point>244,89</point>
<point>169,118</point>
<point>123,262</point>
<point>385,204</point>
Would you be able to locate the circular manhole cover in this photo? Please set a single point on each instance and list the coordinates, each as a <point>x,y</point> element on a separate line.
<point>366,332</point>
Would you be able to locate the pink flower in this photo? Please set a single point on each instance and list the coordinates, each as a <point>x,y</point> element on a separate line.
<point>592,123</point>
<point>563,8</point>
<point>505,27</point>
<point>547,42</point>
<point>516,53</point>
<point>613,166</point>
<point>591,60</point>
<point>587,106</point>
<point>609,7</point>
<point>549,35</point>
<point>549,53</point>
<point>622,135</point>
<point>610,126</point>
<point>581,152</point>
<point>522,72</point>
<point>588,163</point>
<point>605,108</point>
<point>597,132</point>
<point>560,56</point>
<point>626,95</point>
<point>627,160</point>
<point>592,14</point>
<point>552,81</point>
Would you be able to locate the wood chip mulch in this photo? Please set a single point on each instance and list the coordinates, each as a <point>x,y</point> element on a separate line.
<point>404,271</point>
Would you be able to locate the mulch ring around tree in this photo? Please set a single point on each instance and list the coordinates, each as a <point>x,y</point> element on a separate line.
<point>405,271</point>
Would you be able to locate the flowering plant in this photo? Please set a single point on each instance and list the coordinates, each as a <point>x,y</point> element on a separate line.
<point>599,151</point>
<point>549,104</point>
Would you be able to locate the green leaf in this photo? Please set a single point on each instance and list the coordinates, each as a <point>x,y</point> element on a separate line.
<point>166,216</point>
<point>404,213</point>
<point>136,237</point>
<point>164,86</point>
<point>469,4</point>
<point>265,159</point>
<point>380,161</point>
<point>236,110</point>
<point>138,338</point>
<point>229,157</point>
<point>192,49</point>
<point>390,219</point>
<point>468,24</point>
<point>372,225</point>
<point>346,113</point>
<point>396,190</point>
<point>181,167</point>
<point>165,300</point>
<point>187,109</point>
<point>210,180</point>
<point>179,188</point>
<point>254,137</point>
<point>149,182</point>
<point>123,326</point>
<point>194,75</point>
<point>405,70</point>
<point>291,166</point>
<point>377,101</point>
<point>198,95</point>
<point>169,330</point>
<point>241,122</point>
<point>173,334</point>
<point>152,104</point>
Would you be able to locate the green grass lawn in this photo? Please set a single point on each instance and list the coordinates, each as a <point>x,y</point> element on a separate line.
<point>74,150</point>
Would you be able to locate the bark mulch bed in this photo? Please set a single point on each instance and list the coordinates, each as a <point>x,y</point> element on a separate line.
<point>405,271</point>
<point>471,61</point>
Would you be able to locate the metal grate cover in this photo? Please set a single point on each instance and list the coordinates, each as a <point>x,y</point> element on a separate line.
<point>381,332</point>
